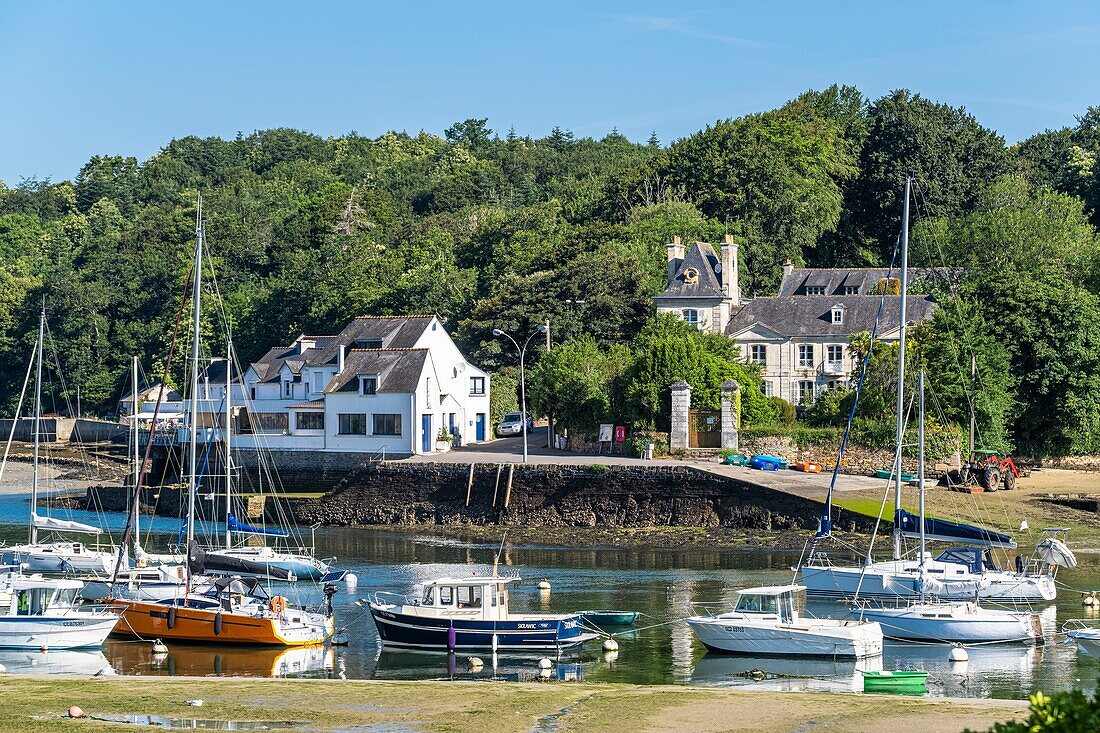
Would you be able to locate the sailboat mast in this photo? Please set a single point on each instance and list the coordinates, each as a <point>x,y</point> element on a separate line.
<point>136,456</point>
<point>228,442</point>
<point>901,363</point>
<point>37,422</point>
<point>196,295</point>
<point>920,471</point>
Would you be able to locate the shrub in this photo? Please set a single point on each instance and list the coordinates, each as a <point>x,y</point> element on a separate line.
<point>1062,712</point>
<point>637,441</point>
<point>597,468</point>
<point>785,412</point>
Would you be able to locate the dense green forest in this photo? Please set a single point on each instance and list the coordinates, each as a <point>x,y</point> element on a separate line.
<point>490,229</point>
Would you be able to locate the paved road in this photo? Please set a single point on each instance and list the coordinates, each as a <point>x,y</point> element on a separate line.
<point>510,450</point>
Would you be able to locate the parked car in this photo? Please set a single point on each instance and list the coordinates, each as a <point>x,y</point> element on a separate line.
<point>512,424</point>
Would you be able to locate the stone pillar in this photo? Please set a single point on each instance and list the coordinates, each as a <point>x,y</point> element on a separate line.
<point>681,416</point>
<point>731,414</point>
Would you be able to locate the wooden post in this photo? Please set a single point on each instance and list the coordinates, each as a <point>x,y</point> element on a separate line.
<point>496,484</point>
<point>469,484</point>
<point>508,486</point>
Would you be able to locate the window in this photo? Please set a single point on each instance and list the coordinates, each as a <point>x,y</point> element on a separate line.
<point>353,424</point>
<point>367,344</point>
<point>429,596</point>
<point>851,290</point>
<point>838,315</point>
<point>766,388</point>
<point>759,354</point>
<point>805,391</point>
<point>368,384</point>
<point>446,595</point>
<point>834,353</point>
<point>691,316</point>
<point>318,382</point>
<point>288,388</point>
<point>387,425</point>
<point>757,604</point>
<point>815,290</point>
<point>806,356</point>
<point>310,421</point>
<point>469,596</point>
<point>252,392</point>
<point>477,385</point>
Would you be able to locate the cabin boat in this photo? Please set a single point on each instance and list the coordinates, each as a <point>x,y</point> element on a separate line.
<point>963,622</point>
<point>471,613</point>
<point>766,621</point>
<point>44,613</point>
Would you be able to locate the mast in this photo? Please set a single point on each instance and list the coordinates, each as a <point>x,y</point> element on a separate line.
<point>973,394</point>
<point>196,296</point>
<point>901,363</point>
<point>136,457</point>
<point>920,472</point>
<point>228,442</point>
<point>37,422</point>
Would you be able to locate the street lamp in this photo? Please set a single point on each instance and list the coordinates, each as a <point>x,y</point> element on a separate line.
<point>522,351</point>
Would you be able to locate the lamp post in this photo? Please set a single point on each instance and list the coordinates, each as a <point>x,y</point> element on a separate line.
<point>522,351</point>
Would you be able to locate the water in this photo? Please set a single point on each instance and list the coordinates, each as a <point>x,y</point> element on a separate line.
<point>661,584</point>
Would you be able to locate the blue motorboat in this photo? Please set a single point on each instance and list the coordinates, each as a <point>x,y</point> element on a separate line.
<point>767,463</point>
<point>471,613</point>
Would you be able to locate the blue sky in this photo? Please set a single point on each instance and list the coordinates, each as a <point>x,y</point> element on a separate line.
<point>85,78</point>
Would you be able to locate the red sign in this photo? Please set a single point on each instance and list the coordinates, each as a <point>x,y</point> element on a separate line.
<point>620,433</point>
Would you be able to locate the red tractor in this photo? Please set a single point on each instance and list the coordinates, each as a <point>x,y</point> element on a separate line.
<point>990,471</point>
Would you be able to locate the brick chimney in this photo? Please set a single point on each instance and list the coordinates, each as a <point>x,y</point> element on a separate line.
<point>675,256</point>
<point>730,282</point>
<point>788,267</point>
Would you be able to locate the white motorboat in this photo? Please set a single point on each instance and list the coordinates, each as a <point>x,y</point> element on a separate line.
<point>44,613</point>
<point>766,621</point>
<point>1084,631</point>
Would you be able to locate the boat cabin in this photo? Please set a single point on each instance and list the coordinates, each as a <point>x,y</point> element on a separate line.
<point>35,595</point>
<point>780,601</point>
<point>975,559</point>
<point>473,597</point>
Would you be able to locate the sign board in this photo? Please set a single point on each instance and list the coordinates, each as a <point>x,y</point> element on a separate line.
<point>620,433</point>
<point>605,433</point>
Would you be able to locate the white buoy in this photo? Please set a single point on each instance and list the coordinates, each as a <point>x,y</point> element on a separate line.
<point>195,703</point>
<point>544,585</point>
<point>1090,601</point>
<point>958,653</point>
<point>610,645</point>
<point>350,581</point>
<point>545,663</point>
<point>610,657</point>
<point>474,664</point>
<point>544,674</point>
<point>159,647</point>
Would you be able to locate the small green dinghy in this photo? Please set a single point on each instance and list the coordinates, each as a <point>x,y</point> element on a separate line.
<point>609,618</point>
<point>901,682</point>
<point>887,473</point>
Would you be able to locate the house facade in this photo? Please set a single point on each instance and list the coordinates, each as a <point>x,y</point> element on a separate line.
<point>383,385</point>
<point>800,338</point>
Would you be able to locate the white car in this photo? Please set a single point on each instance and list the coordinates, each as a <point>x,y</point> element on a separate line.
<point>512,424</point>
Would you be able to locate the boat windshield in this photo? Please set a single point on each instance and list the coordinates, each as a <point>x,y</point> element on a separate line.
<point>753,603</point>
<point>64,597</point>
<point>429,596</point>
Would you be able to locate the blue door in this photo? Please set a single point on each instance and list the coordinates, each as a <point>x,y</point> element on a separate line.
<point>480,431</point>
<point>427,437</point>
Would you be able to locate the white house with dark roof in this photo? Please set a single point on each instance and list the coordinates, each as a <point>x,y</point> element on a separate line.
<point>384,383</point>
<point>800,337</point>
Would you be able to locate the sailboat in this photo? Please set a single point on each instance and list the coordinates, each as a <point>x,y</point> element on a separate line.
<point>57,556</point>
<point>964,572</point>
<point>963,622</point>
<point>231,609</point>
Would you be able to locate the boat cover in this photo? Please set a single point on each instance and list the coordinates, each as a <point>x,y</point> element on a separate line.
<point>1055,552</point>
<point>63,525</point>
<point>236,525</point>
<point>946,531</point>
<point>199,562</point>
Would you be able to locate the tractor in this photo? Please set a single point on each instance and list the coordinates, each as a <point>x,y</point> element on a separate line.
<point>989,470</point>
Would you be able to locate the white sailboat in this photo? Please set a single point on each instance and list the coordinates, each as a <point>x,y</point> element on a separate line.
<point>58,556</point>
<point>965,572</point>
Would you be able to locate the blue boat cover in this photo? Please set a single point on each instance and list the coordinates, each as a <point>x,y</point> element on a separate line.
<point>235,525</point>
<point>945,531</point>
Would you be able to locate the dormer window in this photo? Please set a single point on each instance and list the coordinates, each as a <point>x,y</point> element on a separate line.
<point>368,384</point>
<point>851,290</point>
<point>368,344</point>
<point>838,315</point>
<point>815,290</point>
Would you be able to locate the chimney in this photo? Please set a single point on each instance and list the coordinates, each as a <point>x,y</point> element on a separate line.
<point>675,257</point>
<point>788,267</point>
<point>339,358</point>
<point>730,281</point>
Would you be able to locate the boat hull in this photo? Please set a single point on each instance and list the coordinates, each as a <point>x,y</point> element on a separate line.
<point>48,560</point>
<point>936,623</point>
<point>300,567</point>
<point>896,580</point>
<point>842,640</point>
<point>403,630</point>
<point>75,631</point>
<point>609,618</point>
<point>157,620</point>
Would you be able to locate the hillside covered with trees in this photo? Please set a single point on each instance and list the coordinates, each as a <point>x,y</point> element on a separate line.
<point>489,229</point>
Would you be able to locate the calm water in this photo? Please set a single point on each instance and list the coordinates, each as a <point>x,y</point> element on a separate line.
<point>662,584</point>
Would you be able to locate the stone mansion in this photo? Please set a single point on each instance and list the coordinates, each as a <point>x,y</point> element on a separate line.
<point>800,336</point>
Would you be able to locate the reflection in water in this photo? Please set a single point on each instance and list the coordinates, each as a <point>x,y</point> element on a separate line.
<point>196,660</point>
<point>415,665</point>
<point>196,723</point>
<point>783,673</point>
<point>61,661</point>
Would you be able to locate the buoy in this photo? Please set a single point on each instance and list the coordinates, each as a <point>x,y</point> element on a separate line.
<point>340,638</point>
<point>474,663</point>
<point>159,647</point>
<point>544,585</point>
<point>350,581</point>
<point>75,712</point>
<point>610,657</point>
<point>958,653</point>
<point>610,645</point>
<point>544,674</point>
<point>195,703</point>
<point>1090,600</point>
<point>545,663</point>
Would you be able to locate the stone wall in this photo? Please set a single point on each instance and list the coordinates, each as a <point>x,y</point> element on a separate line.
<point>858,459</point>
<point>560,496</point>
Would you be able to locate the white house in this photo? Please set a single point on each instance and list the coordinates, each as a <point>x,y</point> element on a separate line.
<point>387,384</point>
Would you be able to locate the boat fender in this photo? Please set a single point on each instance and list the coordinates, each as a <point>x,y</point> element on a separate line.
<point>159,647</point>
<point>958,653</point>
<point>277,604</point>
<point>545,663</point>
<point>610,645</point>
<point>172,617</point>
<point>452,638</point>
<point>218,623</point>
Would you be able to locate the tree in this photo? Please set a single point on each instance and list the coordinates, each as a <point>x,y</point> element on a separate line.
<point>579,383</point>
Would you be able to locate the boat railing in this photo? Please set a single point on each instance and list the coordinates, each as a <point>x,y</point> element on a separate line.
<point>819,560</point>
<point>1081,624</point>
<point>380,597</point>
<point>708,607</point>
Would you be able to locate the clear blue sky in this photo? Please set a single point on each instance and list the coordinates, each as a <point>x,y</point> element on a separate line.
<point>85,78</point>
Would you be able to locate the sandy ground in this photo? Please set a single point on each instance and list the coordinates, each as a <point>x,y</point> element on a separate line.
<point>60,471</point>
<point>38,704</point>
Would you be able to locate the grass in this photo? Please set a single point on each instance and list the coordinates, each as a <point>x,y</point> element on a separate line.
<point>34,704</point>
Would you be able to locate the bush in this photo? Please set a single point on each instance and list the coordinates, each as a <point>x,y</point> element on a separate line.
<point>503,394</point>
<point>597,468</point>
<point>785,412</point>
<point>1062,712</point>
<point>637,441</point>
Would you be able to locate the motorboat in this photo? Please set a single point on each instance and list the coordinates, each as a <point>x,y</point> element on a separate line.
<point>471,613</point>
<point>45,613</point>
<point>1086,632</point>
<point>963,622</point>
<point>766,621</point>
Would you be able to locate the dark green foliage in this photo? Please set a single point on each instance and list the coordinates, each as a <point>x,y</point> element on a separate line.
<point>1061,712</point>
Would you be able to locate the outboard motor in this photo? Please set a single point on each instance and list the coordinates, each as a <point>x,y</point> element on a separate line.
<point>330,590</point>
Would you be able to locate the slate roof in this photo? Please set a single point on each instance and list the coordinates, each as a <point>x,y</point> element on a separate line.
<point>395,332</point>
<point>798,315</point>
<point>309,405</point>
<point>835,279</point>
<point>398,370</point>
<point>702,258</point>
<point>268,366</point>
